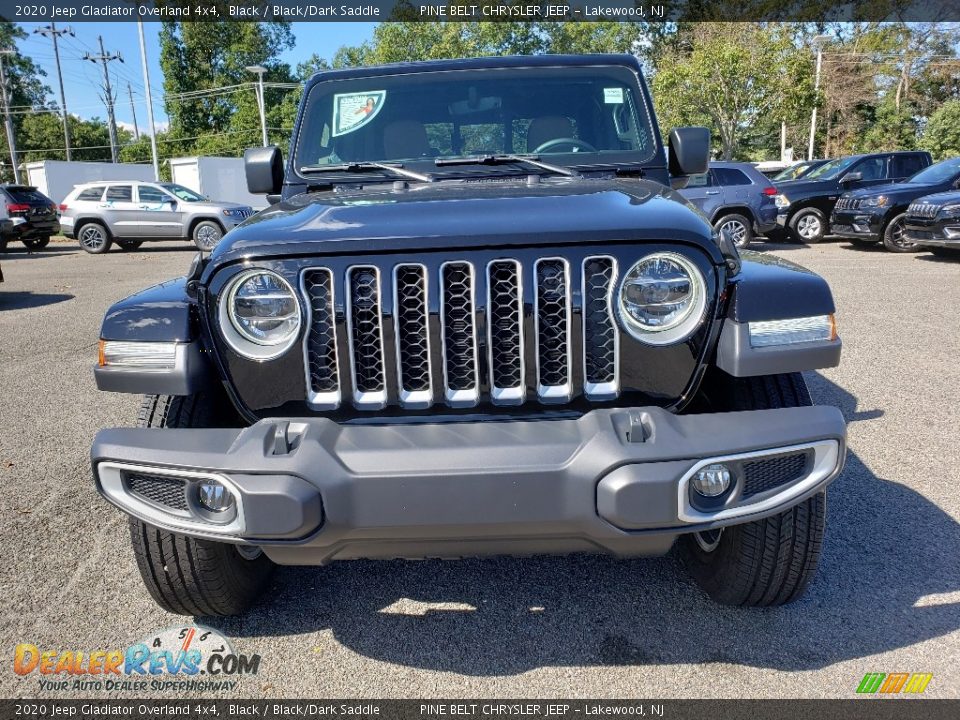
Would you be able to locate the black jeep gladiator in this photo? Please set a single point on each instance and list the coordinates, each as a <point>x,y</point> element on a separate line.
<point>477,320</point>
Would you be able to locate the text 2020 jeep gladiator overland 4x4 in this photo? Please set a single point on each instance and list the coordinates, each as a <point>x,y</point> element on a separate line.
<point>477,320</point>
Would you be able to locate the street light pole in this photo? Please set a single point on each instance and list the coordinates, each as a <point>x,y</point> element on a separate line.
<point>52,31</point>
<point>146,85</point>
<point>819,40</point>
<point>261,100</point>
<point>11,137</point>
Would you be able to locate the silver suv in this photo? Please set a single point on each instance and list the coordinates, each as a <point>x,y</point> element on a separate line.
<point>129,213</point>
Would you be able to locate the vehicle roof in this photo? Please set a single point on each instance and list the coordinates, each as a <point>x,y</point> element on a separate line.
<point>477,63</point>
<point>121,182</point>
<point>14,186</point>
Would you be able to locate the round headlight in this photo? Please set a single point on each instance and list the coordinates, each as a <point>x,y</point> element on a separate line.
<point>261,315</point>
<point>662,299</point>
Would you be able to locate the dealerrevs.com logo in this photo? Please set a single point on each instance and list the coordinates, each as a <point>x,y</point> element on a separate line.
<point>894,683</point>
<point>186,657</point>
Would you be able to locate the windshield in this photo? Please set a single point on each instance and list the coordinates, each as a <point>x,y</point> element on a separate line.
<point>793,172</point>
<point>185,194</point>
<point>831,169</point>
<point>568,116</point>
<point>935,174</point>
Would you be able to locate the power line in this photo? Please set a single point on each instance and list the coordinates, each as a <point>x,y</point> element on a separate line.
<point>109,97</point>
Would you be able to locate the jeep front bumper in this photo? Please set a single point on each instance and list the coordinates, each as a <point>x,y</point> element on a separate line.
<point>618,480</point>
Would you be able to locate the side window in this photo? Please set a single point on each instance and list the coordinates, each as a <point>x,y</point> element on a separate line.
<point>120,193</point>
<point>731,176</point>
<point>872,168</point>
<point>701,180</point>
<point>91,193</point>
<point>902,166</point>
<point>151,195</point>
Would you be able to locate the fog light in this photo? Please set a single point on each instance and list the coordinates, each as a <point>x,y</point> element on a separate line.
<point>712,480</point>
<point>213,496</point>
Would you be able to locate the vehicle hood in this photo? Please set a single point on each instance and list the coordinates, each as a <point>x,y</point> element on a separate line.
<point>951,197</point>
<point>805,188</point>
<point>493,212</point>
<point>905,189</point>
<point>213,205</point>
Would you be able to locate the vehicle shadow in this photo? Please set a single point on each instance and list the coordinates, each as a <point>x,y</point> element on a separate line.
<point>888,554</point>
<point>946,260</point>
<point>21,253</point>
<point>27,299</point>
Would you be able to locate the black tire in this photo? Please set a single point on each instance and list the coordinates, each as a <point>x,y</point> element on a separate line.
<point>185,575</point>
<point>36,243</point>
<point>739,226</point>
<point>94,238</point>
<point>808,225</point>
<point>129,245</point>
<point>943,252</point>
<point>764,562</point>
<point>894,239</point>
<point>206,234</point>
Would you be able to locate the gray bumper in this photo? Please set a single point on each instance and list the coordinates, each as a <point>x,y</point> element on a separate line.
<point>311,491</point>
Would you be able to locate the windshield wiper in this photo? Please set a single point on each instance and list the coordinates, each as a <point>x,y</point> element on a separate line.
<point>358,167</point>
<point>503,159</point>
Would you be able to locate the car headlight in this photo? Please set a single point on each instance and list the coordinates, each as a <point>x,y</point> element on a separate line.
<point>781,201</point>
<point>260,314</point>
<point>949,210</point>
<point>662,299</point>
<point>879,201</point>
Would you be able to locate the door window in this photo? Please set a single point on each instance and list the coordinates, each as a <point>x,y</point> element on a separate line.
<point>731,176</point>
<point>872,168</point>
<point>906,165</point>
<point>120,193</point>
<point>699,180</point>
<point>151,195</point>
<point>92,193</point>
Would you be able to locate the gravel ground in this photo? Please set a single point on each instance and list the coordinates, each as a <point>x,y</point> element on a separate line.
<point>887,597</point>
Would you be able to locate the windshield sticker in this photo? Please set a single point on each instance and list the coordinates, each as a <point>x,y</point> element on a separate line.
<point>613,96</point>
<point>351,111</point>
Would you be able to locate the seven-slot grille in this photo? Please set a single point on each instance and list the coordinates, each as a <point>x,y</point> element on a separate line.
<point>923,210</point>
<point>848,203</point>
<point>483,339</point>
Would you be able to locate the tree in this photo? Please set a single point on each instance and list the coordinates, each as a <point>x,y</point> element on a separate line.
<point>731,77</point>
<point>942,134</point>
<point>26,91</point>
<point>41,138</point>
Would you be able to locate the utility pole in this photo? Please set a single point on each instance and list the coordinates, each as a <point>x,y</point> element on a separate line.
<point>261,99</point>
<point>133,111</point>
<point>109,98</point>
<point>819,40</point>
<point>52,32</point>
<point>11,140</point>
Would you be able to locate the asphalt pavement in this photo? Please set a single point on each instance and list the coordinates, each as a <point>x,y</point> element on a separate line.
<point>886,599</point>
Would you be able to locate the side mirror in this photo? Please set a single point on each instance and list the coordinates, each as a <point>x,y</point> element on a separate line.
<point>689,150</point>
<point>173,203</point>
<point>264,170</point>
<point>852,177</point>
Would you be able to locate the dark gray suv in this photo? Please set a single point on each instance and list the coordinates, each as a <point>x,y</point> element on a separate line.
<point>735,197</point>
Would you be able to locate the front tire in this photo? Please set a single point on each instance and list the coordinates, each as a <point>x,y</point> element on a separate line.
<point>808,225</point>
<point>770,561</point>
<point>738,226</point>
<point>206,235</point>
<point>36,243</point>
<point>185,575</point>
<point>895,239</point>
<point>94,238</point>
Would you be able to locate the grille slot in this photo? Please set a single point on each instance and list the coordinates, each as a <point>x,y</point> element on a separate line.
<point>768,473</point>
<point>160,490</point>
<point>505,331</point>
<point>320,347</point>
<point>601,340</point>
<point>365,332</point>
<point>457,319</point>
<point>411,318</point>
<point>848,203</point>
<point>552,324</point>
<point>923,210</point>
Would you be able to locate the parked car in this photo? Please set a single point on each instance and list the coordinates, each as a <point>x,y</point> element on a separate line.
<point>798,170</point>
<point>506,335</point>
<point>736,197</point>
<point>878,214</point>
<point>130,213</point>
<point>769,168</point>
<point>933,223</point>
<point>32,214</point>
<point>805,205</point>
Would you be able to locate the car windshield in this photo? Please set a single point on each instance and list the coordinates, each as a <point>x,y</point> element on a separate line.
<point>830,170</point>
<point>792,172</point>
<point>185,194</point>
<point>935,174</point>
<point>568,116</point>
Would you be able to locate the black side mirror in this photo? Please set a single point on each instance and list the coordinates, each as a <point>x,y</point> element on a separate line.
<point>852,177</point>
<point>264,170</point>
<point>689,150</point>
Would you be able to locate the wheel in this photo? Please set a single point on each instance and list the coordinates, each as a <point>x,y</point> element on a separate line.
<point>94,238</point>
<point>895,239</point>
<point>737,225</point>
<point>808,225</point>
<point>129,245</point>
<point>764,562</point>
<point>952,253</point>
<point>206,235</point>
<point>185,575</point>
<point>36,243</point>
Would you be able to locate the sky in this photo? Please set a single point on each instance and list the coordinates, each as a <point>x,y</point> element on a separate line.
<point>82,79</point>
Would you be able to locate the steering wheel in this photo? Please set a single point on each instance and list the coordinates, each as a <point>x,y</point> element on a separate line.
<point>575,145</point>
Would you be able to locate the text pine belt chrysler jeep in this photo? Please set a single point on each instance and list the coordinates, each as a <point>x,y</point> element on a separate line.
<point>477,320</point>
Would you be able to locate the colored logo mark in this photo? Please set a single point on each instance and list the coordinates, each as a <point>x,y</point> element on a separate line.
<point>893,683</point>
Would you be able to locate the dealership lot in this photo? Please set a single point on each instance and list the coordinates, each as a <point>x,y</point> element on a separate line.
<point>887,598</point>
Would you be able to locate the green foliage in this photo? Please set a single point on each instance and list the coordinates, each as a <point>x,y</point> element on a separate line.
<point>40,137</point>
<point>942,133</point>
<point>890,128</point>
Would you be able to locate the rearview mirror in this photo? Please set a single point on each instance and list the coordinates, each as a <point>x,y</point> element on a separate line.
<point>689,150</point>
<point>852,177</point>
<point>264,170</point>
